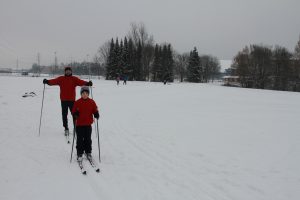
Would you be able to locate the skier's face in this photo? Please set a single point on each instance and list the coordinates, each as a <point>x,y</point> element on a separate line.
<point>84,95</point>
<point>68,72</point>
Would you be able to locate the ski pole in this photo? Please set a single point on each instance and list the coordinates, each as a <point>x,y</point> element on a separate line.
<point>92,92</point>
<point>98,141</point>
<point>93,99</point>
<point>73,140</point>
<point>42,111</point>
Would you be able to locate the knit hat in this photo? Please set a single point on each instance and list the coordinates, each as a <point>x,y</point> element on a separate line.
<point>68,68</point>
<point>85,89</point>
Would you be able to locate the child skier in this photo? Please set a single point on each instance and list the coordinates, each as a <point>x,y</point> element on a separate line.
<point>83,111</point>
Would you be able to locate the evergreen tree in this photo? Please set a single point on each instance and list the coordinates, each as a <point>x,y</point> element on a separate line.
<point>155,70</point>
<point>164,63</point>
<point>161,64</point>
<point>125,57</point>
<point>117,58</point>
<point>138,63</point>
<point>131,58</point>
<point>121,63</point>
<point>110,61</point>
<point>194,71</point>
<point>170,65</point>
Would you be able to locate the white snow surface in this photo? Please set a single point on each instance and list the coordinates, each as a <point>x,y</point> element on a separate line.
<point>179,141</point>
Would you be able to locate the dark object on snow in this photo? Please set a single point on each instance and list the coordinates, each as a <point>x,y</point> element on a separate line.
<point>31,94</point>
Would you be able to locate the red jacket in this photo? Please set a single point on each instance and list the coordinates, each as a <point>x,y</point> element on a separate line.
<point>67,86</point>
<point>86,108</point>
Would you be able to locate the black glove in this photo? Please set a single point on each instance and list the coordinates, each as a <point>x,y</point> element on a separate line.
<point>76,114</point>
<point>90,83</point>
<point>96,115</point>
<point>45,81</point>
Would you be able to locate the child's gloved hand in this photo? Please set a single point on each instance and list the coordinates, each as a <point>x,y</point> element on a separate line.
<point>96,115</point>
<point>76,114</point>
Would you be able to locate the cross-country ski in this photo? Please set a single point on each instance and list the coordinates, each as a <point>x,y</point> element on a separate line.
<point>67,135</point>
<point>81,166</point>
<point>92,162</point>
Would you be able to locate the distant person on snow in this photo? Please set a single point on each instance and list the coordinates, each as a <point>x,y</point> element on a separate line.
<point>67,84</point>
<point>125,77</point>
<point>118,79</point>
<point>83,111</point>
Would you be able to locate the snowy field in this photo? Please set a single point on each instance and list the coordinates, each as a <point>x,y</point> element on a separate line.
<point>180,141</point>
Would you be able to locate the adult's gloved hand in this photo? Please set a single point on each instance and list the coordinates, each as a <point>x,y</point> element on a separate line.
<point>90,83</point>
<point>45,81</point>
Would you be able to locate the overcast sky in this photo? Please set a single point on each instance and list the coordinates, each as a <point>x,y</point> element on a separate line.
<point>76,28</point>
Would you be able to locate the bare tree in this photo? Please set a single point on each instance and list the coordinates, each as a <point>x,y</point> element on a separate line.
<point>215,67</point>
<point>138,33</point>
<point>181,63</point>
<point>281,69</point>
<point>297,60</point>
<point>297,50</point>
<point>103,53</point>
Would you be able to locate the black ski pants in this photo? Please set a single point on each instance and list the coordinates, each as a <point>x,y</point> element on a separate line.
<point>65,105</point>
<point>84,141</point>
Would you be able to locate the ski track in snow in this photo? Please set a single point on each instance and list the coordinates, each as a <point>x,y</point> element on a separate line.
<point>182,145</point>
<point>168,164</point>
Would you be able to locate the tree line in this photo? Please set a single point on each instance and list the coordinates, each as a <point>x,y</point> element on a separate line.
<point>137,57</point>
<point>266,67</point>
<point>79,68</point>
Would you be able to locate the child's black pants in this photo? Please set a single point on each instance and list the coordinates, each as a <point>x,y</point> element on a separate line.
<point>84,141</point>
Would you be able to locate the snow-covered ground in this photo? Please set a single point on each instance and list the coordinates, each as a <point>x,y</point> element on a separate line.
<point>178,141</point>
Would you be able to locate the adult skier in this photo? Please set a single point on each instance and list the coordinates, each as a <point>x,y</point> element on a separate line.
<point>67,84</point>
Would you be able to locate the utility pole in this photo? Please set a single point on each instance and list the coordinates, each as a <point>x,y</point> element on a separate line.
<point>55,61</point>
<point>88,65</point>
<point>38,63</point>
<point>38,59</point>
<point>17,64</point>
